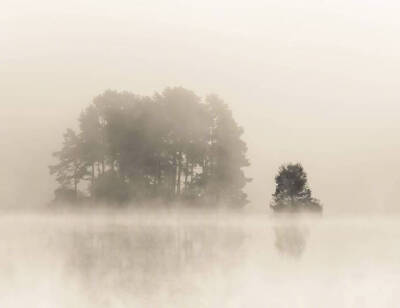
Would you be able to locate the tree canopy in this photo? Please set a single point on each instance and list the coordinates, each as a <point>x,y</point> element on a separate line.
<point>171,146</point>
<point>292,191</point>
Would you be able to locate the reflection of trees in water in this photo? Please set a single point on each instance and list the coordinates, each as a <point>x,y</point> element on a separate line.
<point>144,259</point>
<point>291,240</point>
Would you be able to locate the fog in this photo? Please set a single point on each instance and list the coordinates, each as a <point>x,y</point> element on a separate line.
<point>170,260</point>
<point>314,82</point>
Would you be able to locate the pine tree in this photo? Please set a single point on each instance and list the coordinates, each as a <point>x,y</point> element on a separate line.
<point>292,191</point>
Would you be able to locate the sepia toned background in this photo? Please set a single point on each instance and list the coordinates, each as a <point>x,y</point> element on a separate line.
<point>310,81</point>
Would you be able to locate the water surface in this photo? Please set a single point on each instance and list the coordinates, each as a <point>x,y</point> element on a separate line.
<point>204,260</point>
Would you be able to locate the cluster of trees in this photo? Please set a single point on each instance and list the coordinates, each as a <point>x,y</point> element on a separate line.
<point>171,146</point>
<point>292,193</point>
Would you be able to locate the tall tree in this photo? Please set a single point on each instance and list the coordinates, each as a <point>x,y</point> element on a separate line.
<point>187,133</point>
<point>226,157</point>
<point>292,191</point>
<point>93,141</point>
<point>71,168</point>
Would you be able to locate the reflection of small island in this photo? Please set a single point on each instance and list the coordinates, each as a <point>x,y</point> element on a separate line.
<point>144,259</point>
<point>292,196</point>
<point>291,240</point>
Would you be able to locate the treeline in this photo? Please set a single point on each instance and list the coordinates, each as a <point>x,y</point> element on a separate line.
<point>172,146</point>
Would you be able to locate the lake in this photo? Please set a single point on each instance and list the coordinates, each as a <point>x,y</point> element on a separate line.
<point>125,259</point>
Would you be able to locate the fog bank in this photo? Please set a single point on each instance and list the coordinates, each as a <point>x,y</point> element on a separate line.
<point>313,82</point>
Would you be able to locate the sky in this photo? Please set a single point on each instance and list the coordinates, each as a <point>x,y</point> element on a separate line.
<point>311,81</point>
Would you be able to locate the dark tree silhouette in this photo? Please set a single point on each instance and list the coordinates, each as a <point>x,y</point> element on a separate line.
<point>292,192</point>
<point>172,146</point>
<point>71,168</point>
<point>227,155</point>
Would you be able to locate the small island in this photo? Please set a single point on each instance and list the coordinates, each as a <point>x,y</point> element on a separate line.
<point>170,147</point>
<point>292,193</point>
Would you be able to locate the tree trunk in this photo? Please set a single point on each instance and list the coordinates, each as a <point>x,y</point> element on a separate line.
<point>191,173</point>
<point>173,176</point>
<point>76,167</point>
<point>186,172</point>
<point>159,172</point>
<point>92,173</point>
<point>76,188</point>
<point>178,190</point>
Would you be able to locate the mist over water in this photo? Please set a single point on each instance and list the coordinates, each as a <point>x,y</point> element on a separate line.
<point>197,260</point>
<point>314,82</point>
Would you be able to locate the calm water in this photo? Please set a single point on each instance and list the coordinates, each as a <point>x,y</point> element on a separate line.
<point>218,260</point>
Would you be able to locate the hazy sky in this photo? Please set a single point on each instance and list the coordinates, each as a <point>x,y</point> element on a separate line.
<point>310,81</point>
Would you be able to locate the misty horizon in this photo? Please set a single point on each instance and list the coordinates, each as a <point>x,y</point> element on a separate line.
<point>206,153</point>
<point>316,87</point>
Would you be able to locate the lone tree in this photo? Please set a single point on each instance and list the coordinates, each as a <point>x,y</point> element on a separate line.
<point>292,193</point>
